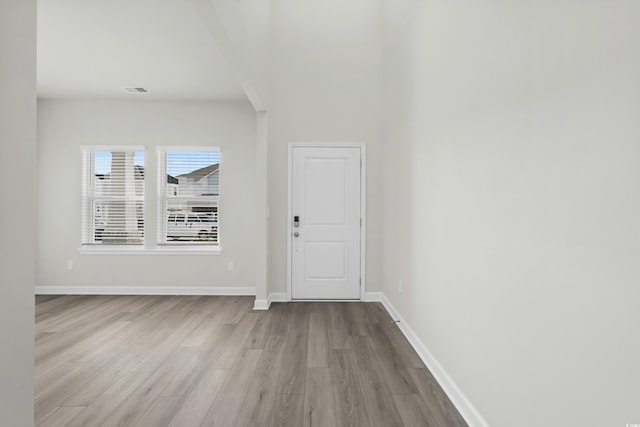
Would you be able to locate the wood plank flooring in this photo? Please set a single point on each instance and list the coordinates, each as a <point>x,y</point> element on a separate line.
<point>212,361</point>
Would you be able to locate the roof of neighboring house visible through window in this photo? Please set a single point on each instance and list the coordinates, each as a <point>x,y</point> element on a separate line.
<point>201,173</point>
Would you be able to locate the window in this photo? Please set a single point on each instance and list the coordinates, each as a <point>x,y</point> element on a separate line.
<point>188,195</point>
<point>112,195</point>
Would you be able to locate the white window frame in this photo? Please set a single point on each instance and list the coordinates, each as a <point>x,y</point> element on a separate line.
<point>89,197</point>
<point>162,199</point>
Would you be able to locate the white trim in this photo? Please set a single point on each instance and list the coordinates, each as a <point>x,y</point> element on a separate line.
<point>459,400</point>
<point>140,250</point>
<point>325,300</point>
<point>363,207</point>
<point>373,297</point>
<point>363,220</point>
<point>145,290</point>
<point>260,239</point>
<point>262,304</point>
<point>93,148</point>
<point>278,297</point>
<point>289,219</point>
<point>198,148</point>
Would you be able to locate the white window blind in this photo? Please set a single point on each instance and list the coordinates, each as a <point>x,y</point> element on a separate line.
<point>112,196</point>
<point>188,196</point>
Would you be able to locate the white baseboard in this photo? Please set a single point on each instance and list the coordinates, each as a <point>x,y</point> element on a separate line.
<point>459,400</point>
<point>373,297</point>
<point>261,304</point>
<point>145,290</point>
<point>278,297</point>
<point>264,304</point>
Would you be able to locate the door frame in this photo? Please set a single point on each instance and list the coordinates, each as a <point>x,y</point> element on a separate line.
<point>363,209</point>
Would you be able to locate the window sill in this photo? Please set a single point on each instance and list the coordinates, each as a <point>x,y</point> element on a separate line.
<point>140,250</point>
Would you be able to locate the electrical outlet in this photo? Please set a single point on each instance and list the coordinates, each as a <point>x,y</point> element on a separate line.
<point>400,286</point>
<point>230,266</point>
<point>70,265</point>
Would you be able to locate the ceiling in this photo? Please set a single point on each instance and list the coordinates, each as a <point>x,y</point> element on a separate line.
<point>94,48</point>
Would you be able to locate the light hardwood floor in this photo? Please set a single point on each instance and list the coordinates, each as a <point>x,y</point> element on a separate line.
<point>212,361</point>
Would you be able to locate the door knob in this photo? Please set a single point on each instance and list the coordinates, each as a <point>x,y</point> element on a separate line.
<point>296,234</point>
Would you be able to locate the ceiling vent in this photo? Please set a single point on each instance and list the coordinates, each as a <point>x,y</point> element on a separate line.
<point>135,90</point>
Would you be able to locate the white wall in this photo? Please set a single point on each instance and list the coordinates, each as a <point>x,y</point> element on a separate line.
<point>326,85</point>
<point>18,209</point>
<point>63,126</point>
<point>246,25</point>
<point>512,201</point>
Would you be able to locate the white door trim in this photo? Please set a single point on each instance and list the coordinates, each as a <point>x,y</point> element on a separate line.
<point>363,207</point>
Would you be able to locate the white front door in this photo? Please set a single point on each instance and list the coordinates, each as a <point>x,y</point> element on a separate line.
<point>325,222</point>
